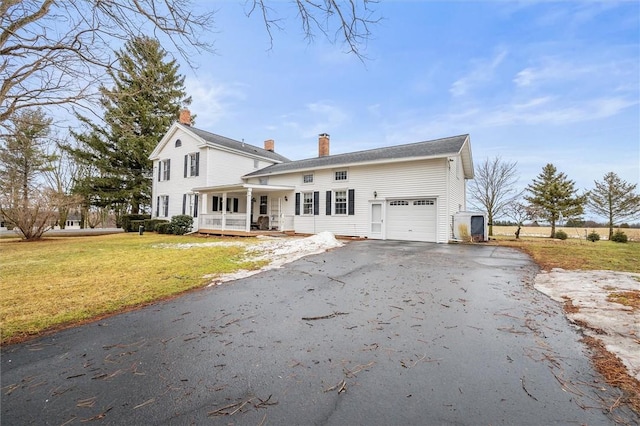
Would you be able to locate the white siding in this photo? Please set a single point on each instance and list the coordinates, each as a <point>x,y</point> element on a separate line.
<point>177,185</point>
<point>226,168</point>
<point>217,167</point>
<point>415,179</point>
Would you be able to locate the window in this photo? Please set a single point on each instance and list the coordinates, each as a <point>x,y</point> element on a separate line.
<point>307,178</point>
<point>263,180</point>
<point>164,170</point>
<point>341,202</point>
<point>192,164</point>
<point>190,204</point>
<point>340,175</point>
<point>232,204</point>
<point>256,164</point>
<point>307,203</point>
<point>263,204</point>
<point>178,143</point>
<point>399,203</point>
<point>162,207</point>
<point>423,203</point>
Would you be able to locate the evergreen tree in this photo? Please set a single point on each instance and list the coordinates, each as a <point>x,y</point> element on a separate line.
<point>23,160</point>
<point>554,196</point>
<point>145,100</point>
<point>614,199</point>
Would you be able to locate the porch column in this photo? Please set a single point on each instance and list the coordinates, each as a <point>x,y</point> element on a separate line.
<point>247,225</point>
<point>224,210</point>
<point>202,208</point>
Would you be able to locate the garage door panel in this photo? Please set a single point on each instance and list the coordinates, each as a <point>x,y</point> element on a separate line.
<point>411,220</point>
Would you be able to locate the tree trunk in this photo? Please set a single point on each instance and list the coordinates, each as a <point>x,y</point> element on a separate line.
<point>518,232</point>
<point>490,218</point>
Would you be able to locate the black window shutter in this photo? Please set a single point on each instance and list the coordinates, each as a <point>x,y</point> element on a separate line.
<point>235,205</point>
<point>214,203</point>
<point>316,203</point>
<point>168,169</point>
<point>184,203</point>
<point>158,206</point>
<point>159,171</point>
<point>166,211</point>
<point>186,159</point>
<point>297,204</point>
<point>197,164</point>
<point>328,203</point>
<point>195,205</point>
<point>352,201</point>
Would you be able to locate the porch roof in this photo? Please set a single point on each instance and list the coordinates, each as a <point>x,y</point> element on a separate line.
<point>243,187</point>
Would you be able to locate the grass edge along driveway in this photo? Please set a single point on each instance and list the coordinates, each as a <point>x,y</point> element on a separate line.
<point>60,281</point>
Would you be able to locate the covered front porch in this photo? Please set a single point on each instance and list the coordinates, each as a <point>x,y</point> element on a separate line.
<point>245,209</point>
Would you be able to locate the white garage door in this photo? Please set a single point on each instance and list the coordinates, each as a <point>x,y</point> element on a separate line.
<point>412,219</point>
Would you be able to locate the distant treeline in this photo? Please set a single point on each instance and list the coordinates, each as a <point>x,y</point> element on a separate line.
<point>570,224</point>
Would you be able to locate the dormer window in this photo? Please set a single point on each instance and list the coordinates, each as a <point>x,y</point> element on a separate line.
<point>178,143</point>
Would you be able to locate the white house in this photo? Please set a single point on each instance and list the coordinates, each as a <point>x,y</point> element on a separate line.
<point>404,192</point>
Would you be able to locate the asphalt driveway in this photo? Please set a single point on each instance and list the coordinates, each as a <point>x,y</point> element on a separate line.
<point>376,332</point>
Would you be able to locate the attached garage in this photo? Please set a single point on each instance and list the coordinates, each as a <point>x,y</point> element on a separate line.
<point>411,219</point>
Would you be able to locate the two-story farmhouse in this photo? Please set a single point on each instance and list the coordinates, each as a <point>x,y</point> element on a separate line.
<point>405,192</point>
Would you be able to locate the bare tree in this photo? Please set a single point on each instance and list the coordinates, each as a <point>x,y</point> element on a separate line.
<point>53,52</point>
<point>494,187</point>
<point>347,21</point>
<point>519,212</point>
<point>57,52</point>
<point>61,177</point>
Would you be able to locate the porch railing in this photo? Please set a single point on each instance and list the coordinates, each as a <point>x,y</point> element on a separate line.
<point>229,221</point>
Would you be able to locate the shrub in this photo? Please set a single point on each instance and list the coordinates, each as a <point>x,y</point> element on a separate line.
<point>151,224</point>
<point>181,224</point>
<point>619,237</point>
<point>624,225</point>
<point>561,235</point>
<point>127,218</point>
<point>593,236</point>
<point>163,228</point>
<point>463,230</point>
<point>135,225</point>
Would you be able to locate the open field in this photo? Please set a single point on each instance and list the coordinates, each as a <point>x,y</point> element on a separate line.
<point>58,281</point>
<point>578,233</point>
<point>572,254</point>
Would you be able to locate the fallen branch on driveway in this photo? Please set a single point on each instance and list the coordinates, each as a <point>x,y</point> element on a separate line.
<point>333,315</point>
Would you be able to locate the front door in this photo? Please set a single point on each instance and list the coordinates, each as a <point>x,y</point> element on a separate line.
<point>375,229</point>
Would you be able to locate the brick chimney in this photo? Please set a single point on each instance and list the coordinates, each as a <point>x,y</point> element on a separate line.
<point>185,117</point>
<point>323,145</point>
<point>270,145</point>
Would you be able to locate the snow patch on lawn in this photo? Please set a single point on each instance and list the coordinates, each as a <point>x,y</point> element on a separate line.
<point>616,325</point>
<point>280,251</point>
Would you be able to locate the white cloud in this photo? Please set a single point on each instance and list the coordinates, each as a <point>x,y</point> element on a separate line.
<point>324,117</point>
<point>482,72</point>
<point>211,102</point>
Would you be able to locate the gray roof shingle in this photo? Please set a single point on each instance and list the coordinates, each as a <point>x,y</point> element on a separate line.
<point>236,145</point>
<point>433,148</point>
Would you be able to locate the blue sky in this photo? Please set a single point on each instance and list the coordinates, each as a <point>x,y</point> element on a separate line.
<point>532,82</point>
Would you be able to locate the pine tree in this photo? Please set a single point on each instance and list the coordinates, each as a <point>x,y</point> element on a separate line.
<point>554,196</point>
<point>614,199</point>
<point>145,100</point>
<point>23,160</point>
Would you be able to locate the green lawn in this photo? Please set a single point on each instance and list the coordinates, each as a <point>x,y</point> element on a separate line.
<point>58,281</point>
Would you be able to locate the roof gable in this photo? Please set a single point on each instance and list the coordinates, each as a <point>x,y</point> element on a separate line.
<point>437,148</point>
<point>212,140</point>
